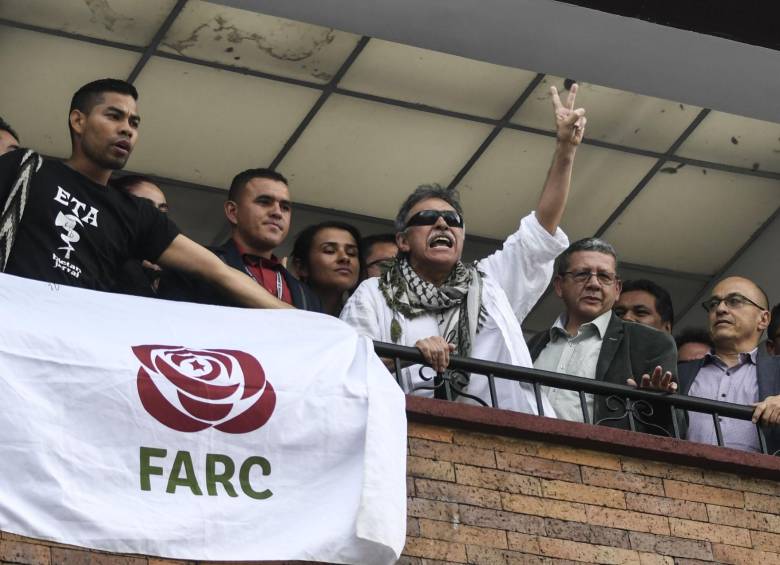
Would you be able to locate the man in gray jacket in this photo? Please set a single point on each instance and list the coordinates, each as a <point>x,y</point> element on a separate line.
<point>589,340</point>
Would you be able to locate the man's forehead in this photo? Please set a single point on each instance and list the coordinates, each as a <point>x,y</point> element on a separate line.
<point>592,258</point>
<point>637,297</point>
<point>261,186</point>
<point>743,286</point>
<point>124,102</point>
<point>431,204</point>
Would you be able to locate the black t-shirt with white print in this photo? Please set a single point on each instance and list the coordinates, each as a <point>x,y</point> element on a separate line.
<point>79,233</point>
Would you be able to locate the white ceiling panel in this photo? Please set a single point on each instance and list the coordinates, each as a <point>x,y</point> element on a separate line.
<point>367,157</point>
<point>614,116</point>
<point>436,79</point>
<point>693,220</point>
<point>125,21</point>
<point>505,184</point>
<point>246,39</point>
<point>41,74</point>
<point>735,140</point>
<point>226,122</point>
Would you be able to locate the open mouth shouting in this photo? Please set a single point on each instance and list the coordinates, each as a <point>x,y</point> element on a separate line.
<point>441,240</point>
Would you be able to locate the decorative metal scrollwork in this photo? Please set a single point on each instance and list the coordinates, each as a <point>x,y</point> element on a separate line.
<point>452,382</point>
<point>632,410</point>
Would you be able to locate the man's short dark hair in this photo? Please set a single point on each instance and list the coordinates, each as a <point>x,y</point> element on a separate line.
<point>424,192</point>
<point>127,182</point>
<point>240,180</point>
<point>370,240</point>
<point>774,322</point>
<point>693,335</point>
<point>5,126</point>
<point>91,94</point>
<point>587,244</point>
<point>663,301</point>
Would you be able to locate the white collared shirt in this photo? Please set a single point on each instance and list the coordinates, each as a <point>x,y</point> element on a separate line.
<point>515,278</point>
<point>573,355</point>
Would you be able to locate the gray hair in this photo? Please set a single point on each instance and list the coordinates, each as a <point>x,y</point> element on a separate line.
<point>424,192</point>
<point>587,244</point>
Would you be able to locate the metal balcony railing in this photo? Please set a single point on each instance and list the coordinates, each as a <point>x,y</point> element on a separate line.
<point>636,404</point>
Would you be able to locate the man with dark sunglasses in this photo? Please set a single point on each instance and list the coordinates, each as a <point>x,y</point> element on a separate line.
<point>737,369</point>
<point>589,340</point>
<point>430,299</point>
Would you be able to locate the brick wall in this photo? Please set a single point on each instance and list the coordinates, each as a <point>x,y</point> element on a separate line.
<point>492,487</point>
<point>486,499</point>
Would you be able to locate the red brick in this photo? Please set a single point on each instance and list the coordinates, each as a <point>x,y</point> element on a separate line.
<point>701,493</point>
<point>666,506</point>
<point>429,468</point>
<point>538,467</point>
<point>586,552</point>
<point>451,492</point>
<point>435,510</point>
<point>744,518</point>
<point>435,549</point>
<point>412,527</point>
<point>743,556</point>
<point>668,545</point>
<point>653,559</point>
<point>544,507</point>
<point>524,543</point>
<point>623,481</point>
<point>766,541</point>
<point>497,480</point>
<point>761,486</point>
<point>451,452</point>
<point>575,492</point>
<point>490,556</point>
<point>24,552</point>
<point>635,521</point>
<point>709,532</point>
<point>62,556</point>
<point>456,532</point>
<point>501,520</point>
<point>762,502</point>
<point>662,470</point>
<point>587,533</point>
<point>580,456</point>
<point>426,431</point>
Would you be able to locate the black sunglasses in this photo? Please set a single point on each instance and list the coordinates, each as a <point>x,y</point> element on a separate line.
<point>430,217</point>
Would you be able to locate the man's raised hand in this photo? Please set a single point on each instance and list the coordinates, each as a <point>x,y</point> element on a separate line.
<point>569,123</point>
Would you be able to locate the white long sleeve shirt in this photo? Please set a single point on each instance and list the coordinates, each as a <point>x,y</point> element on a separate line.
<point>515,278</point>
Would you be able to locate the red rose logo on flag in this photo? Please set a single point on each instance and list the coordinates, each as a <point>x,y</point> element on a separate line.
<point>191,390</point>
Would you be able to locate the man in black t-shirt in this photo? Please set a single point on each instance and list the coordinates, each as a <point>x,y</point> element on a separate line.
<point>77,231</point>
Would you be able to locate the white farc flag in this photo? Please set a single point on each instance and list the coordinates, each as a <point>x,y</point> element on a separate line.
<point>196,432</point>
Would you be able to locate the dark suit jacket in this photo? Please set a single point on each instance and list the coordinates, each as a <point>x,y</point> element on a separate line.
<point>768,374</point>
<point>628,350</point>
<point>197,291</point>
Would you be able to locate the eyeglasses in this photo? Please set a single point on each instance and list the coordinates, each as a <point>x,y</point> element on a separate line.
<point>733,300</point>
<point>430,217</point>
<point>384,263</point>
<point>582,277</point>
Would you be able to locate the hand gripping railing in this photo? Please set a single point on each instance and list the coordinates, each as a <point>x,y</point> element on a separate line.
<point>635,402</point>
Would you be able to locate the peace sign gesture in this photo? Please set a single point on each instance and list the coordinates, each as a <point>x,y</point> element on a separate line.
<point>569,123</point>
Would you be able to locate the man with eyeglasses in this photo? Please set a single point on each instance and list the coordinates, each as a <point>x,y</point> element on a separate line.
<point>589,340</point>
<point>737,370</point>
<point>379,252</point>
<point>431,300</point>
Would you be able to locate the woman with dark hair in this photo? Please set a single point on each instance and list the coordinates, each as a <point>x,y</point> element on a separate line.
<point>327,257</point>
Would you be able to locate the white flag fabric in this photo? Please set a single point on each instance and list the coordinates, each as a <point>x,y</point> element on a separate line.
<point>144,426</point>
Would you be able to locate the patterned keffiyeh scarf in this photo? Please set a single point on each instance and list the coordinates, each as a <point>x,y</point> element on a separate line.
<point>457,304</point>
